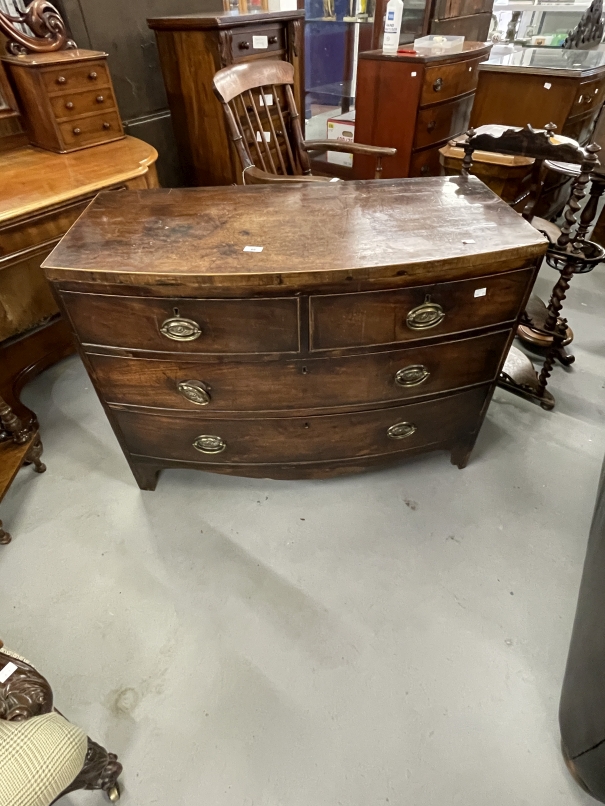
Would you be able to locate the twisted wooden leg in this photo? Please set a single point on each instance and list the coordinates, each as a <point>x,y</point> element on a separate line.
<point>5,538</point>
<point>551,355</point>
<point>34,453</point>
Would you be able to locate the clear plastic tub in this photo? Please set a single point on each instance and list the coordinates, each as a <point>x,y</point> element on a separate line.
<point>435,45</point>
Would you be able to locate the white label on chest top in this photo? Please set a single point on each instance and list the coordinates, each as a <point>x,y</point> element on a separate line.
<point>260,42</point>
<point>7,672</point>
<point>480,292</point>
<point>253,248</point>
<point>547,86</point>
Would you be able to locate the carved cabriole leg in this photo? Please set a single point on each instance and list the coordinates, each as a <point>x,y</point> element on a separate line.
<point>146,474</point>
<point>34,453</point>
<point>5,538</point>
<point>101,770</point>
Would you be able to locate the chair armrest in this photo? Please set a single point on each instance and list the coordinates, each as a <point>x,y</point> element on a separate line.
<point>348,148</point>
<point>255,176</point>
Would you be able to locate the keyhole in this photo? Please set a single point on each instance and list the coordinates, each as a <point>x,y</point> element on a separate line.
<point>175,311</point>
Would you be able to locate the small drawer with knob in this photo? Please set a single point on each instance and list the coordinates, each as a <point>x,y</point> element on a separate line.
<point>196,437</point>
<point>436,123</point>
<point>372,318</point>
<point>74,104</point>
<point>298,384</point>
<point>175,325</point>
<point>449,80</point>
<point>265,39</point>
<point>79,76</point>
<point>91,130</point>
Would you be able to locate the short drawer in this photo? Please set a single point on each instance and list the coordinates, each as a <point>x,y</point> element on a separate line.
<point>300,384</point>
<point>94,129</point>
<point>426,162</point>
<point>580,127</point>
<point>301,439</point>
<point>448,80</point>
<point>261,40</point>
<point>73,104</point>
<point>436,123</point>
<point>76,76</point>
<point>387,317</point>
<point>589,94</point>
<point>186,325</point>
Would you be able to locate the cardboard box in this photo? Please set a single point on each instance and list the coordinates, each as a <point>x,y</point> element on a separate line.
<point>341,127</point>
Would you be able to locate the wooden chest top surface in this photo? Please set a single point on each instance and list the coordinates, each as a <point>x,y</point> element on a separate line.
<point>348,230</point>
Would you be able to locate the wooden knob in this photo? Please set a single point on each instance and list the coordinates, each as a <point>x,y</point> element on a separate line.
<point>272,40</point>
<point>431,125</point>
<point>244,45</point>
<point>92,76</point>
<point>106,125</point>
<point>77,131</point>
<point>69,105</point>
<point>100,99</point>
<point>61,80</point>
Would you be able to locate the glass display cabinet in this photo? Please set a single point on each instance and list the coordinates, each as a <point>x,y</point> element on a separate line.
<point>535,24</point>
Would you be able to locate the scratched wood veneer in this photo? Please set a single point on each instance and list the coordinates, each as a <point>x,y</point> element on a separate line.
<point>372,325</point>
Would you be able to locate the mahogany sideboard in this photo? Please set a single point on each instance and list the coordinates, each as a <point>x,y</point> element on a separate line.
<point>224,330</point>
<point>41,195</point>
<point>414,104</point>
<point>192,49</point>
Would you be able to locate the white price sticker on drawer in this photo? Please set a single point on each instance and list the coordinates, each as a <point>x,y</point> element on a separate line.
<point>480,292</point>
<point>260,42</point>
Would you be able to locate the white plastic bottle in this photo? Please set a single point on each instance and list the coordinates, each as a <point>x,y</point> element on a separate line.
<point>392,26</point>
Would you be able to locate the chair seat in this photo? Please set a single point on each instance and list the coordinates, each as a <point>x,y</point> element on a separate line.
<point>39,758</point>
<point>549,229</point>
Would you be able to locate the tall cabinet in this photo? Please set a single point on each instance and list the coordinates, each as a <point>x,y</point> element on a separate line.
<point>192,48</point>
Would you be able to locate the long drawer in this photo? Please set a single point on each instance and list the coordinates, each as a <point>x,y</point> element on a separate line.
<point>449,80</point>
<point>387,317</point>
<point>193,438</point>
<point>301,383</point>
<point>185,325</point>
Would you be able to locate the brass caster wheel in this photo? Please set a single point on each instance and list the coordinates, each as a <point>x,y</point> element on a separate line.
<point>114,793</point>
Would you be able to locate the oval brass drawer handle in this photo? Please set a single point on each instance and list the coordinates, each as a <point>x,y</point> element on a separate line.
<point>208,443</point>
<point>413,375</point>
<point>425,316</point>
<point>401,430</point>
<point>194,391</point>
<point>180,329</point>
<point>438,85</point>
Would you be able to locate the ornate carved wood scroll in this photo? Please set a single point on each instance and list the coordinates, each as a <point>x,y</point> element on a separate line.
<point>46,24</point>
<point>589,31</point>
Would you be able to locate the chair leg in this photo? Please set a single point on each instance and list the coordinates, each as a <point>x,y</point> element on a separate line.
<point>101,770</point>
<point>5,538</point>
<point>34,453</point>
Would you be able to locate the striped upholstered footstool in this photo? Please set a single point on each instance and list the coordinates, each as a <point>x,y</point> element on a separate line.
<point>42,755</point>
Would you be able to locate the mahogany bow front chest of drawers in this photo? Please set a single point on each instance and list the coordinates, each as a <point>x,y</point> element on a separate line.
<point>295,332</point>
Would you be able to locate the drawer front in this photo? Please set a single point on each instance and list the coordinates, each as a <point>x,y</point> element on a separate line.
<point>76,76</point>
<point>427,162</point>
<point>436,123</point>
<point>95,129</point>
<point>73,104</point>
<point>449,80</point>
<point>300,384</point>
<point>261,40</point>
<point>580,127</point>
<point>388,317</point>
<point>301,439</point>
<point>186,325</point>
<point>589,94</point>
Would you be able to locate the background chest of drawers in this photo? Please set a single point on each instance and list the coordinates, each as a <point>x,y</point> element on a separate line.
<point>414,104</point>
<point>66,98</point>
<point>192,48</point>
<point>380,337</point>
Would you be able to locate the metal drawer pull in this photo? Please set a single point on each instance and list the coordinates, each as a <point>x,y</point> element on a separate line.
<point>413,375</point>
<point>244,46</point>
<point>194,391</point>
<point>425,316</point>
<point>77,130</point>
<point>92,76</point>
<point>401,430</point>
<point>61,80</point>
<point>69,105</point>
<point>180,329</point>
<point>106,125</point>
<point>438,85</point>
<point>431,125</point>
<point>100,99</point>
<point>207,443</point>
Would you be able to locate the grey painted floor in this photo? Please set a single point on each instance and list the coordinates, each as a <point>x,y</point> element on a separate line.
<point>397,637</point>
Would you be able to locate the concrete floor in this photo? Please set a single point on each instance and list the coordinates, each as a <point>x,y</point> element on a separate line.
<point>397,637</point>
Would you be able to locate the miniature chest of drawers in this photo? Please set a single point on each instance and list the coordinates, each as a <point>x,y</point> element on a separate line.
<point>192,48</point>
<point>414,104</point>
<point>67,98</point>
<point>320,350</point>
